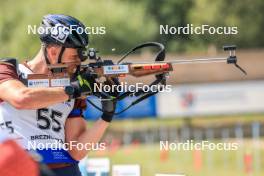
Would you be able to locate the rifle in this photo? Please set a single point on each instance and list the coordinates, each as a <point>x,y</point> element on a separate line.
<point>99,68</point>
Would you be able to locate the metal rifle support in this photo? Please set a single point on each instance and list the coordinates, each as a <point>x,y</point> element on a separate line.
<point>232,59</point>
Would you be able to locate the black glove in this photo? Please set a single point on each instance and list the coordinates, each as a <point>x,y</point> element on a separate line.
<point>108,107</point>
<point>109,101</point>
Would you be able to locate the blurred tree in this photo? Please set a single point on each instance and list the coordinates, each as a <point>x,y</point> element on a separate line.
<point>171,13</point>
<point>128,23</point>
<point>125,24</point>
<point>246,15</point>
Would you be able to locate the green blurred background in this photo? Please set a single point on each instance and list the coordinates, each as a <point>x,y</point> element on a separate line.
<point>130,22</point>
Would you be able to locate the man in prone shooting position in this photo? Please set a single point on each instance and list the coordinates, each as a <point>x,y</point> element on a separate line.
<point>51,114</point>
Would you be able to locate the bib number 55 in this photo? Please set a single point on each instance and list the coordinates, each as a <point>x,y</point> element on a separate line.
<point>49,119</point>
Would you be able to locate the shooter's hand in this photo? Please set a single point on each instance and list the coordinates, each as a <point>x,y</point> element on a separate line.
<point>82,86</point>
<point>109,101</point>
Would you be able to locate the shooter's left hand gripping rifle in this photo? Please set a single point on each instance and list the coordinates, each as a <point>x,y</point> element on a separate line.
<point>160,68</point>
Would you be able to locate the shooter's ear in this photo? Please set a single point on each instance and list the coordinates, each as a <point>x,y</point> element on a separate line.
<point>53,52</point>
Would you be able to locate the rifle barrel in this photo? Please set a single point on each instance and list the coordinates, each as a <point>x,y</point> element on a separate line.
<point>188,61</point>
